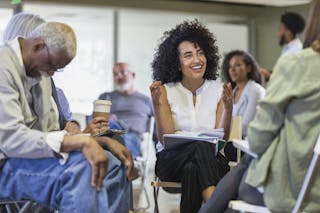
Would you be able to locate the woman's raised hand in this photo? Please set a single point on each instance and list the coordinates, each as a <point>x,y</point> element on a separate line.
<point>155,89</point>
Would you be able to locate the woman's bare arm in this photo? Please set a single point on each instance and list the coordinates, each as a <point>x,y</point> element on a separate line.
<point>162,111</point>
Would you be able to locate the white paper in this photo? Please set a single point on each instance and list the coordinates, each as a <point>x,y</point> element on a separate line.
<point>171,141</point>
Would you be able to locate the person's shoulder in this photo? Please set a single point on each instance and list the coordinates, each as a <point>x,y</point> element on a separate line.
<point>3,51</point>
<point>256,88</point>
<point>298,60</point>
<point>8,63</point>
<point>6,56</point>
<point>141,95</point>
<point>217,84</point>
<point>298,56</point>
<point>254,84</point>
<point>106,95</point>
<point>171,84</point>
<point>306,54</point>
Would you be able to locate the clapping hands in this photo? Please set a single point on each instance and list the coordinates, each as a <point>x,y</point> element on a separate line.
<point>227,95</point>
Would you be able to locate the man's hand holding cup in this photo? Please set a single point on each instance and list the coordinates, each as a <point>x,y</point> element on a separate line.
<point>101,116</point>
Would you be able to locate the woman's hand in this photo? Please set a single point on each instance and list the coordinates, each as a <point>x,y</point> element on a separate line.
<point>97,125</point>
<point>155,90</point>
<point>227,96</point>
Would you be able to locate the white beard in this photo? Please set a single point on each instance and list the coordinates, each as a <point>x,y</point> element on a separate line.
<point>123,87</point>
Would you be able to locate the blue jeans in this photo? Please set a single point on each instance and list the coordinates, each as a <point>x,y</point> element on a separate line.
<point>131,140</point>
<point>65,187</point>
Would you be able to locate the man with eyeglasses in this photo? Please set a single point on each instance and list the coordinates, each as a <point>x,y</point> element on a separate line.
<point>39,162</point>
<point>130,108</point>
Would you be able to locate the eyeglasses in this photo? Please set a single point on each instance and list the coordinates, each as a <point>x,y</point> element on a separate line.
<point>51,66</point>
<point>121,72</point>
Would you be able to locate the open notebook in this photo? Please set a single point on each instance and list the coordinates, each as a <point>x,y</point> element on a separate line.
<point>173,141</point>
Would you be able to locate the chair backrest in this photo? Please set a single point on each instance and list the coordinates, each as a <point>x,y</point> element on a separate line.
<point>142,162</point>
<point>306,182</point>
<point>236,128</point>
<point>147,140</point>
<point>236,132</point>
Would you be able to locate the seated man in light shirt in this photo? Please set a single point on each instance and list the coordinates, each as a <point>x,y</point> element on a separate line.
<point>38,162</point>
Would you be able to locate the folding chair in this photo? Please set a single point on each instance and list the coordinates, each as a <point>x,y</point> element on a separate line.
<point>22,206</point>
<point>171,187</point>
<point>246,207</point>
<point>236,134</point>
<point>142,162</point>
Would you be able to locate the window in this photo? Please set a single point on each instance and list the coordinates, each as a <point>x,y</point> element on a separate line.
<point>90,73</point>
<point>5,15</point>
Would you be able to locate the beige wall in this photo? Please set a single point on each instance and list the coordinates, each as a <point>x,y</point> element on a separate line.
<point>263,21</point>
<point>266,26</point>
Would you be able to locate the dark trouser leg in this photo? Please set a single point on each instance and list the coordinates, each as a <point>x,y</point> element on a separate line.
<point>250,194</point>
<point>203,171</point>
<point>195,166</point>
<point>227,189</point>
<point>190,194</point>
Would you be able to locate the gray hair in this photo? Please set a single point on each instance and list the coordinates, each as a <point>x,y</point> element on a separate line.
<point>57,36</point>
<point>21,24</point>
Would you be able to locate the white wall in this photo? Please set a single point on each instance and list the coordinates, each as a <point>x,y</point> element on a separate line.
<point>5,15</point>
<point>230,36</point>
<point>90,73</point>
<point>140,32</point>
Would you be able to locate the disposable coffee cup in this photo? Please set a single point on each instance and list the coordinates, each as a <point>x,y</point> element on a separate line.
<point>101,108</point>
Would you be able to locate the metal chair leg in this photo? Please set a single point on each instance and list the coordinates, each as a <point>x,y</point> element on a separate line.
<point>143,191</point>
<point>26,207</point>
<point>155,196</point>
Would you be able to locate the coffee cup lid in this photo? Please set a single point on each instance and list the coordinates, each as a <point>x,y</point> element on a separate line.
<point>102,102</point>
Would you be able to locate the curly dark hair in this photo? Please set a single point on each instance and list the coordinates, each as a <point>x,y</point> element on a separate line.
<point>166,60</point>
<point>247,59</point>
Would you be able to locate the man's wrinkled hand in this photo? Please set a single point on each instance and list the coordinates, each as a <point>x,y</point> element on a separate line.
<point>98,161</point>
<point>97,125</point>
<point>123,154</point>
<point>72,128</point>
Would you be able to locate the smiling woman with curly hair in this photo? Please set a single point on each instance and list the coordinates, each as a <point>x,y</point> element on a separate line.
<point>166,64</point>
<point>187,98</point>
